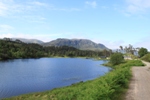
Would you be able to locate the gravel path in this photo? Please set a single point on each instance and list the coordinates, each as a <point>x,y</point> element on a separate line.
<point>139,88</point>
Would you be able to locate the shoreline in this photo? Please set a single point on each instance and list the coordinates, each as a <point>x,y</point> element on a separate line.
<point>71,81</point>
<point>91,89</point>
<point>96,58</point>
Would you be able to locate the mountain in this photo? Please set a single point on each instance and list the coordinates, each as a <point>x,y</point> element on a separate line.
<point>29,40</point>
<point>82,44</point>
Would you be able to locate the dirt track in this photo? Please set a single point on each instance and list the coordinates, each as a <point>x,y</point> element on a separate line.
<point>139,88</point>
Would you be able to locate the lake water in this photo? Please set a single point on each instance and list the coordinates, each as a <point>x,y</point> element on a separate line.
<point>21,76</point>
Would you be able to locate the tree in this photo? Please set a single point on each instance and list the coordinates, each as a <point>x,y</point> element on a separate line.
<point>19,41</point>
<point>116,58</point>
<point>142,52</point>
<point>131,49</point>
<point>121,48</point>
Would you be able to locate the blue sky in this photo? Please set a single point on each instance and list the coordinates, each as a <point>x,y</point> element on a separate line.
<point>110,22</point>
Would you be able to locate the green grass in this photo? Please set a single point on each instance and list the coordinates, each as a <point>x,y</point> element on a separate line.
<point>108,87</point>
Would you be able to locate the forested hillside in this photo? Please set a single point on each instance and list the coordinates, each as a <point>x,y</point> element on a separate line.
<point>17,49</point>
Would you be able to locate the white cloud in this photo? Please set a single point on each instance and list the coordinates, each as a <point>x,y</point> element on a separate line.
<point>104,7</point>
<point>144,43</point>
<point>113,44</point>
<point>10,7</point>
<point>39,4</point>
<point>8,35</point>
<point>11,35</point>
<point>67,9</point>
<point>3,8</point>
<point>137,6</point>
<point>23,10</point>
<point>43,37</point>
<point>15,9</point>
<point>93,4</point>
<point>5,28</point>
<point>7,7</point>
<point>32,18</point>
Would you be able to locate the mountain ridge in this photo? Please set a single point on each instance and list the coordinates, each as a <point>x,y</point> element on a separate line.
<point>28,40</point>
<point>82,44</point>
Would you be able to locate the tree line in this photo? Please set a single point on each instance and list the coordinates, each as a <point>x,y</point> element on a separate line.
<point>128,51</point>
<point>17,49</point>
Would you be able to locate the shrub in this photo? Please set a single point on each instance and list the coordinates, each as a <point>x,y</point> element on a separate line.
<point>146,57</point>
<point>142,52</point>
<point>116,58</point>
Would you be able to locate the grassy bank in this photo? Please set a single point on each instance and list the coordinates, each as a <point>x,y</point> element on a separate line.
<point>108,87</point>
<point>146,57</point>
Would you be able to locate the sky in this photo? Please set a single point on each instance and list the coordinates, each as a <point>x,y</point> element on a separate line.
<point>110,22</point>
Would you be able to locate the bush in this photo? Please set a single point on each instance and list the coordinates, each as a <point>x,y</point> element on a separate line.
<point>146,57</point>
<point>116,58</point>
<point>142,52</point>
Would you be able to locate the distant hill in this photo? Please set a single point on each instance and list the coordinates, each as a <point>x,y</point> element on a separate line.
<point>28,40</point>
<point>82,44</point>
